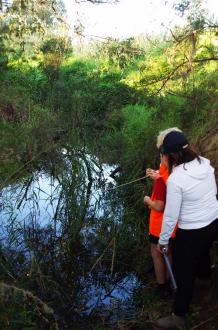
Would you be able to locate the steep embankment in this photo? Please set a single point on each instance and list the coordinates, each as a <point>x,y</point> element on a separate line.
<point>208,147</point>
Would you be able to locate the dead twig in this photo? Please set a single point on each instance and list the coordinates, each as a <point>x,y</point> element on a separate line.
<point>25,193</point>
<point>204,322</point>
<point>102,255</point>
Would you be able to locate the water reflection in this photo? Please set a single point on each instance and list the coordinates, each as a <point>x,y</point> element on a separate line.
<point>34,207</point>
<point>44,213</point>
<point>114,300</point>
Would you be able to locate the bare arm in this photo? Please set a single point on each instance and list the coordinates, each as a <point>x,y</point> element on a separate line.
<point>155,205</point>
<point>153,174</point>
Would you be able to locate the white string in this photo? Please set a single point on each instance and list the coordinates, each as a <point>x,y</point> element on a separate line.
<point>127,183</point>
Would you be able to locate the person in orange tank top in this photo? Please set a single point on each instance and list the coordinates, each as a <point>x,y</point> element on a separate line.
<point>157,204</point>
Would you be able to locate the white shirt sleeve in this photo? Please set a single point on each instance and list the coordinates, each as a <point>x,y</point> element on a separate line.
<point>171,212</point>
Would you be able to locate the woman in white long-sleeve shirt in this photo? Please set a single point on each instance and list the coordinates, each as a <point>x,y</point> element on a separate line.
<point>192,202</point>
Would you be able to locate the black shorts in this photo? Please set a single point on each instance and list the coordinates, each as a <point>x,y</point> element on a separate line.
<point>154,239</point>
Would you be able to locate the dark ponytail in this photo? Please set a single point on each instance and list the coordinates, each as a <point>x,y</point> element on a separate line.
<point>182,157</point>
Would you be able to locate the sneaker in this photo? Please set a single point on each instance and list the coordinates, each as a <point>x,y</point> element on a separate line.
<point>170,322</point>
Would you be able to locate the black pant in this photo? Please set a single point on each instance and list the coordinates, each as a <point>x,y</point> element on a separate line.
<point>191,259</point>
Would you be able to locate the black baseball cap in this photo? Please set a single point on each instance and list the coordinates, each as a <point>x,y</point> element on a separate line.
<point>173,142</point>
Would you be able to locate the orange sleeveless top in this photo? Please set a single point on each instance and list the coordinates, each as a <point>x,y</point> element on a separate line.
<point>159,193</point>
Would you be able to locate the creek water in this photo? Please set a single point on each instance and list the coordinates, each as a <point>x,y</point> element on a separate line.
<point>111,297</point>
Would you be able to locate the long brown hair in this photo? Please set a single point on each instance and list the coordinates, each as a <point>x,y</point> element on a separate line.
<point>182,157</point>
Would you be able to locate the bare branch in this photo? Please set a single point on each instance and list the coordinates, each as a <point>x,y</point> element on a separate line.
<point>205,59</point>
<point>28,184</point>
<point>167,78</point>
